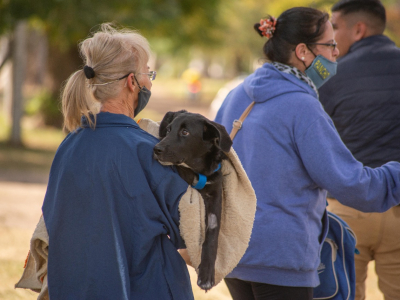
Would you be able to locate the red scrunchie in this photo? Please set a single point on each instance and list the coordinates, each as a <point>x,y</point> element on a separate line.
<point>267,27</point>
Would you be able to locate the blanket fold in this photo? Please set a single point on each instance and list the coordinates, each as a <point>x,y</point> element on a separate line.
<point>34,276</point>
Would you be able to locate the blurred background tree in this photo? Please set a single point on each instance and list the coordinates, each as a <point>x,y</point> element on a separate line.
<point>38,48</point>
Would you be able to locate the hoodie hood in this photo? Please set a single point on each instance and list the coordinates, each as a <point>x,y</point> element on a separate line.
<point>262,85</point>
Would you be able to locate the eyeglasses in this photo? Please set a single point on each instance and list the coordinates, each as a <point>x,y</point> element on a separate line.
<point>333,45</point>
<point>151,74</point>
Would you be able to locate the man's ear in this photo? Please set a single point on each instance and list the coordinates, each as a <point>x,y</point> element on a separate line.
<point>168,118</point>
<point>359,31</point>
<point>217,134</point>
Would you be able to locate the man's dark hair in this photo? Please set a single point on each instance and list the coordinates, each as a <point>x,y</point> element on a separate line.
<point>294,26</point>
<point>373,8</point>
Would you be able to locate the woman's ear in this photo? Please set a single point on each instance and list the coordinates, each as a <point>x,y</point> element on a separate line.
<point>302,57</point>
<point>130,82</point>
<point>301,51</point>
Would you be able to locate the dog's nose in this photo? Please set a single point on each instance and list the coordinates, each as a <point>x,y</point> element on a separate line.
<point>158,150</point>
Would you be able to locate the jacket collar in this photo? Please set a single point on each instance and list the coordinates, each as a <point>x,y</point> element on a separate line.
<point>106,119</point>
<point>370,41</point>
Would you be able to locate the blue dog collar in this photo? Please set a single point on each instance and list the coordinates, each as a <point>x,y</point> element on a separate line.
<point>203,179</point>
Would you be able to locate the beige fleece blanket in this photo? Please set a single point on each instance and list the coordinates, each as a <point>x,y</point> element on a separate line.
<point>238,211</point>
<point>34,276</point>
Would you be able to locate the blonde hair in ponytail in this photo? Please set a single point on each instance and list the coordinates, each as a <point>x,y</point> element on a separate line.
<point>111,53</point>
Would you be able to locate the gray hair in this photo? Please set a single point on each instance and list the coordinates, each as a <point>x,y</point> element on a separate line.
<point>111,53</point>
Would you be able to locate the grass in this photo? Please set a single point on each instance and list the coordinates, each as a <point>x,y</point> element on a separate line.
<point>25,158</point>
<point>14,245</point>
<point>32,162</point>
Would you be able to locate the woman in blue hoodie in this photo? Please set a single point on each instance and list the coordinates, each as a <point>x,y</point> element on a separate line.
<point>293,154</point>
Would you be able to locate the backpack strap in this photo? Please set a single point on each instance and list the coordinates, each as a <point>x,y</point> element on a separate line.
<point>237,124</point>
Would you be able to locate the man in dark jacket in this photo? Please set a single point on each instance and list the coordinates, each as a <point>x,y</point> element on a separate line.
<point>363,100</point>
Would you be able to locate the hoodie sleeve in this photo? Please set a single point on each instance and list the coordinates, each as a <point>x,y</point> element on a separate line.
<point>332,166</point>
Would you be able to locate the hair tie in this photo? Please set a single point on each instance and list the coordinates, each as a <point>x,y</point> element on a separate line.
<point>89,72</point>
<point>267,27</point>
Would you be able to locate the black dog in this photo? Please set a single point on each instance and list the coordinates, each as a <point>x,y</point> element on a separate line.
<point>196,146</point>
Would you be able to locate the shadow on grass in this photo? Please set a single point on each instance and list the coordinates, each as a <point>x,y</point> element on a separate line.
<point>23,164</point>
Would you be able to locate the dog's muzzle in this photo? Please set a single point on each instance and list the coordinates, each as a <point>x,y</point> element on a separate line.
<point>159,154</point>
<point>158,150</point>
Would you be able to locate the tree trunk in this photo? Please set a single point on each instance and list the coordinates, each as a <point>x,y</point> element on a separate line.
<point>5,77</point>
<point>19,59</point>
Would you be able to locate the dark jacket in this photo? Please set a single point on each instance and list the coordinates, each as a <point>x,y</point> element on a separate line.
<point>363,100</point>
<point>111,212</point>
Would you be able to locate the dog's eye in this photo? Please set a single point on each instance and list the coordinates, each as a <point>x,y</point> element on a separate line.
<point>185,132</point>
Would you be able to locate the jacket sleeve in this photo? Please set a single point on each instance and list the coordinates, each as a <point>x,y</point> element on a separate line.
<point>332,166</point>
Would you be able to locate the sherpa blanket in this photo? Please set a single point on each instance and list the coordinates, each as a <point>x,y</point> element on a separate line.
<point>238,211</point>
<point>34,276</point>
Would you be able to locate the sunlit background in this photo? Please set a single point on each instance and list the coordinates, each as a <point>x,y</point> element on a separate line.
<point>201,50</point>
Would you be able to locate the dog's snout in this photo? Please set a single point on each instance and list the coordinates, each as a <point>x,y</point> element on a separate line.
<point>158,150</point>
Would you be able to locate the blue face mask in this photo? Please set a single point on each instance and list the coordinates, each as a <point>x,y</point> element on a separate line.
<point>321,70</point>
<point>143,99</point>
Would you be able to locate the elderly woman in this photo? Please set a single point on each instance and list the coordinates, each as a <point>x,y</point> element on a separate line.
<point>293,154</point>
<point>111,211</point>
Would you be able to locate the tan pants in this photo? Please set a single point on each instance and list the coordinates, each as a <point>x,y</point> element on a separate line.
<point>378,238</point>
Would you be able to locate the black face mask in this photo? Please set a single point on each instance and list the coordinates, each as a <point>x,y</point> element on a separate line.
<point>143,99</point>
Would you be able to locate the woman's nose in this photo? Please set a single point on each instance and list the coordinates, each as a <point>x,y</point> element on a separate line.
<point>336,52</point>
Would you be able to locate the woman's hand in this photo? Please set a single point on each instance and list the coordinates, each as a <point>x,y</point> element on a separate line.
<point>185,256</point>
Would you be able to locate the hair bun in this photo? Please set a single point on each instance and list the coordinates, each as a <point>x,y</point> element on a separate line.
<point>89,72</point>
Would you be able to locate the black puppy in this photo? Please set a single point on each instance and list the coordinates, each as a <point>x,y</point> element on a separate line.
<point>196,146</point>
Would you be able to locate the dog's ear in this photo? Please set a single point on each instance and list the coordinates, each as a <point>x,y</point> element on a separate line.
<point>218,135</point>
<point>169,116</point>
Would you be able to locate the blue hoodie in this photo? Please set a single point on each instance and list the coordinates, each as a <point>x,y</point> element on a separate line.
<point>292,154</point>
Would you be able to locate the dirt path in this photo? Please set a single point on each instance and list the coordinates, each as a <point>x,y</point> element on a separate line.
<point>20,204</point>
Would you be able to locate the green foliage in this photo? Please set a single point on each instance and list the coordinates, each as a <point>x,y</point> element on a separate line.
<point>67,21</point>
<point>33,105</point>
<point>4,127</point>
<point>212,25</point>
<point>44,104</point>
